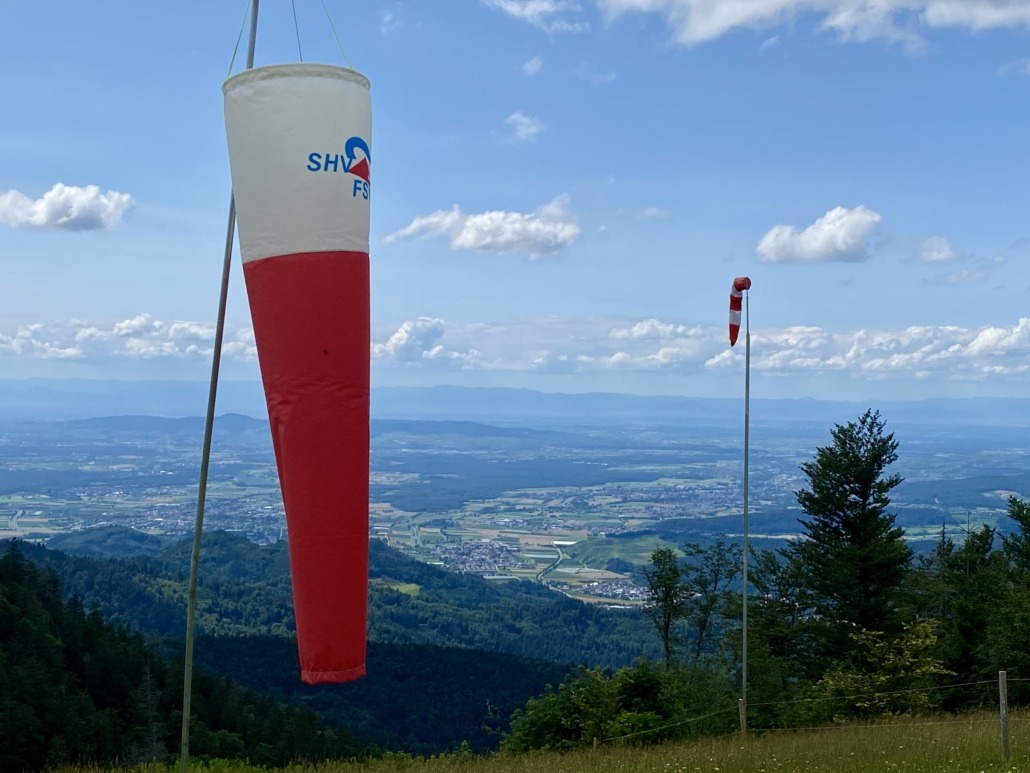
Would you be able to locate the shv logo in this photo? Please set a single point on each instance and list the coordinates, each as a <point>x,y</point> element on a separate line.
<point>347,162</point>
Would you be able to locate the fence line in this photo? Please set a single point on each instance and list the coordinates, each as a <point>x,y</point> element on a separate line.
<point>872,725</point>
<point>878,694</point>
<point>877,725</point>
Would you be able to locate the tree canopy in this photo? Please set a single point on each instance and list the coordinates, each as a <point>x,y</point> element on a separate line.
<point>854,557</point>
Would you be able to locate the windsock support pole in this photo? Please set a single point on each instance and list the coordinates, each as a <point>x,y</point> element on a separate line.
<point>747,435</point>
<point>205,457</point>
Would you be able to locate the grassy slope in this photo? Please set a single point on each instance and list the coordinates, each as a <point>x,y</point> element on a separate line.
<point>942,745</point>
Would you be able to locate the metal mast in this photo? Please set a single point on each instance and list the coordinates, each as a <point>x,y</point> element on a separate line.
<point>205,459</point>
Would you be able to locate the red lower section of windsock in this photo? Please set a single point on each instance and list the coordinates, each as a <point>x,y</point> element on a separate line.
<point>311,325</point>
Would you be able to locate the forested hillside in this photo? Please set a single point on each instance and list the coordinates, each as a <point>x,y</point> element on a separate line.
<point>74,688</point>
<point>245,590</point>
<point>480,650</point>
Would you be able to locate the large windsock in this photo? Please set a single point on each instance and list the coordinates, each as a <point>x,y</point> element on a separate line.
<point>740,284</point>
<point>299,137</point>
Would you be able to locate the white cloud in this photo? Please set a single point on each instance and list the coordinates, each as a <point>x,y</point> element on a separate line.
<point>547,230</point>
<point>936,249</point>
<point>1018,67</point>
<point>902,21</point>
<point>769,43</point>
<point>411,339</point>
<point>65,207</point>
<point>593,77</point>
<point>961,276</point>
<point>595,352</point>
<point>651,328</point>
<point>533,66</point>
<point>548,15</point>
<point>591,348</point>
<point>652,213</point>
<point>391,21</point>
<point>416,341</point>
<point>975,15</point>
<point>526,127</point>
<point>838,236</point>
<point>978,272</point>
<point>140,337</point>
<point>437,223</point>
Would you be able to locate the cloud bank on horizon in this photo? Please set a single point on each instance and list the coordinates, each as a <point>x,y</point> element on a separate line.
<point>664,353</point>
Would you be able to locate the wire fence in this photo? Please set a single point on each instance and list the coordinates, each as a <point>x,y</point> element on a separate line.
<point>1003,719</point>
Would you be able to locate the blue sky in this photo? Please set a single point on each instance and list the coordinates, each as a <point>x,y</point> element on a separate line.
<point>562,191</point>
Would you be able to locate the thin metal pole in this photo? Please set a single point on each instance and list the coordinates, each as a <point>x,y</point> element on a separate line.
<point>1003,708</point>
<point>747,438</point>
<point>205,458</point>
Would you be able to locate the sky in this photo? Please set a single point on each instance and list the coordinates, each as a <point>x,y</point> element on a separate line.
<point>562,193</point>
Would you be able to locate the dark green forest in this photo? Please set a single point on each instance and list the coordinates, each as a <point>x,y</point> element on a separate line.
<point>75,688</point>
<point>481,650</point>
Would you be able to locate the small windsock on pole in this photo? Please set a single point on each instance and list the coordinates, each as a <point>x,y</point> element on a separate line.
<point>737,300</point>
<point>740,284</point>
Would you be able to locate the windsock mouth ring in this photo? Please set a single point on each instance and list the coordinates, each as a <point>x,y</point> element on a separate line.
<point>294,70</point>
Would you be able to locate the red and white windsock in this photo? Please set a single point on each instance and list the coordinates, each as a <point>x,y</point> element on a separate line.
<point>299,150</point>
<point>740,284</point>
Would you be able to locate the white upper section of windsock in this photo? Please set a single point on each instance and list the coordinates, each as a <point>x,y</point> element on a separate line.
<point>299,150</point>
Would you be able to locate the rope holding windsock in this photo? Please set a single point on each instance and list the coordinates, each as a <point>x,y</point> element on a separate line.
<point>740,284</point>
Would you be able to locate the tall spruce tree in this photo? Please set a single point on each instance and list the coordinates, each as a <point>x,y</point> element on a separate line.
<point>854,558</point>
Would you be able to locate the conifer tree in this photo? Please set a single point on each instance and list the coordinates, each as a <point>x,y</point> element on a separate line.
<point>853,558</point>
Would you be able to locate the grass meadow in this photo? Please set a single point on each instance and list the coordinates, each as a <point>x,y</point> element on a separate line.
<point>966,744</point>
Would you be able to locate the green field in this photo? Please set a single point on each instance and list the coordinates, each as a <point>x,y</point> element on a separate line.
<point>944,744</point>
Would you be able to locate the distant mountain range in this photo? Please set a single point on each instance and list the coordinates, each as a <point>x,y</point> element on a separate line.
<point>56,399</point>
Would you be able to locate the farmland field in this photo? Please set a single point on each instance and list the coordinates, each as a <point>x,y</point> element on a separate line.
<point>497,500</point>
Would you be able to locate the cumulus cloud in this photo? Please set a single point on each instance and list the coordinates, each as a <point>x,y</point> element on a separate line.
<point>548,15</point>
<point>412,339</point>
<point>651,328</point>
<point>140,337</point>
<point>936,249</point>
<point>418,340</point>
<point>547,230</point>
<point>838,236</point>
<point>902,21</point>
<point>65,207</point>
<point>533,66</point>
<point>526,127</point>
